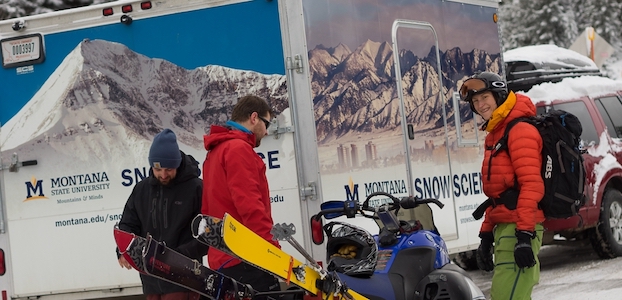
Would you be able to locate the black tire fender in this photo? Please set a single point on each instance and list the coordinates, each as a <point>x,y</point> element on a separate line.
<point>606,238</point>
<point>466,260</point>
<point>445,283</point>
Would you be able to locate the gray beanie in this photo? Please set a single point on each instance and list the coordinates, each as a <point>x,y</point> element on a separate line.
<point>164,152</point>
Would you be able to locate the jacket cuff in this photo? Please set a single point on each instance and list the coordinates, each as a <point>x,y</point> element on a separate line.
<point>486,236</point>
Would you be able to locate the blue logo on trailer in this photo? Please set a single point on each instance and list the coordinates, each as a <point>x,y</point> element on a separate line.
<point>34,189</point>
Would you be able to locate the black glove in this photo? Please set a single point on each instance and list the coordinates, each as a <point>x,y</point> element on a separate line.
<point>523,254</point>
<point>483,255</point>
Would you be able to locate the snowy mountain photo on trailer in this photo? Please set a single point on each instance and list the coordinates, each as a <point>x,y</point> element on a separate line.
<point>355,94</point>
<point>107,100</point>
<point>362,81</point>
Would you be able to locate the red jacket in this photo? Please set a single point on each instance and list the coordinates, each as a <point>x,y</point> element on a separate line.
<point>234,182</point>
<point>523,164</point>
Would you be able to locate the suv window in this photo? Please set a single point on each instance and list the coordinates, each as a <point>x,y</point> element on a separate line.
<point>579,109</point>
<point>609,107</point>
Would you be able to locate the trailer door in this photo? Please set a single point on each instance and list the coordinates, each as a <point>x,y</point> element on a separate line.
<point>424,118</point>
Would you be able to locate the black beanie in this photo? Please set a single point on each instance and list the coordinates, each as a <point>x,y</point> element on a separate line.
<point>164,152</point>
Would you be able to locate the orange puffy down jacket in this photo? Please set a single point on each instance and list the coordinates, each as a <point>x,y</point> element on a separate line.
<point>519,166</point>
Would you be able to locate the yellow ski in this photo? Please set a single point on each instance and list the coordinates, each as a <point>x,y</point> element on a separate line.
<point>253,249</point>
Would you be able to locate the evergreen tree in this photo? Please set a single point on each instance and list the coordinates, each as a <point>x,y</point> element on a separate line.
<point>511,18</point>
<point>548,22</point>
<point>532,22</point>
<point>20,8</point>
<point>605,16</point>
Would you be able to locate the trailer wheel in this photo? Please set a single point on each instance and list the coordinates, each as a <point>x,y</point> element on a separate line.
<point>606,238</point>
<point>466,260</point>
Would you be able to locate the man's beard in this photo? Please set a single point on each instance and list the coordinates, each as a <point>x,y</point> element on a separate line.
<point>168,181</point>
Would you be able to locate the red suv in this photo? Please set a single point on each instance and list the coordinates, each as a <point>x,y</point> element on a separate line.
<point>597,102</point>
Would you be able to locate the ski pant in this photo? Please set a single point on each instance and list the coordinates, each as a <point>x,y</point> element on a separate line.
<point>258,279</point>
<point>508,281</point>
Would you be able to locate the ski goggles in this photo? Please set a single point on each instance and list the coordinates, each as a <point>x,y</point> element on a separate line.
<point>471,87</point>
<point>474,86</point>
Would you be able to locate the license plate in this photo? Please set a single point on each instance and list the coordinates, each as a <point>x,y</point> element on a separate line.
<point>22,50</point>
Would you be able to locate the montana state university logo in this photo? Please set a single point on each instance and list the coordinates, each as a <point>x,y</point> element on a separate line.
<point>34,190</point>
<point>352,190</point>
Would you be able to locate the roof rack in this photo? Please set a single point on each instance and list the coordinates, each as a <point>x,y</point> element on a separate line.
<point>522,75</point>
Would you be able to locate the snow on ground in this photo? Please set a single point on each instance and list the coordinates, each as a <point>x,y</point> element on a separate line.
<point>570,271</point>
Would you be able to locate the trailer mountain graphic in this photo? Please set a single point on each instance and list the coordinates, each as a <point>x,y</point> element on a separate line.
<point>104,98</point>
<point>355,91</point>
<point>107,99</point>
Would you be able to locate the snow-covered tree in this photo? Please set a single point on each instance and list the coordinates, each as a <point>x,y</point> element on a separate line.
<point>20,8</point>
<point>605,16</point>
<point>546,22</point>
<point>511,17</point>
<point>532,22</point>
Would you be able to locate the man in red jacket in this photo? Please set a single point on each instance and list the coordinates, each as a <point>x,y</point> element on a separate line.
<point>234,182</point>
<point>514,185</point>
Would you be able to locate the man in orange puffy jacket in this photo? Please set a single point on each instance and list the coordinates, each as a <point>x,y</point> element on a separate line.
<point>234,182</point>
<point>512,180</point>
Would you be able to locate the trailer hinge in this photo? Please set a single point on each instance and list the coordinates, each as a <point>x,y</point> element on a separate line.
<point>276,130</point>
<point>295,64</point>
<point>308,191</point>
<point>16,164</point>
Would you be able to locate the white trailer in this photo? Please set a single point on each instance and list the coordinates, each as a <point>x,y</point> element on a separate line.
<point>83,91</point>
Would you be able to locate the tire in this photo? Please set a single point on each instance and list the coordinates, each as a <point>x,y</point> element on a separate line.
<point>466,260</point>
<point>606,238</point>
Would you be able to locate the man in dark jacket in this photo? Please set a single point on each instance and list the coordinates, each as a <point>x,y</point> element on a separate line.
<point>164,205</point>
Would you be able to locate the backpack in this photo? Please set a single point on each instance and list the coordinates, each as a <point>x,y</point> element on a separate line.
<point>563,171</point>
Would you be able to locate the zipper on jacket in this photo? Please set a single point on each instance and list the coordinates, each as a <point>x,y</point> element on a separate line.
<point>165,213</point>
<point>159,206</point>
<point>154,211</point>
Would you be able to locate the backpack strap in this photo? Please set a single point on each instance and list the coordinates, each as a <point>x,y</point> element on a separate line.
<point>481,209</point>
<point>502,143</point>
<point>509,198</point>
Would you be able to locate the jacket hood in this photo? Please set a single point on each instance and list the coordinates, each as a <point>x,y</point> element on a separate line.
<point>188,169</point>
<point>219,134</point>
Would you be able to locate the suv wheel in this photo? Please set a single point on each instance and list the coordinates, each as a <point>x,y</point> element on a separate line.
<point>607,236</point>
<point>466,260</point>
